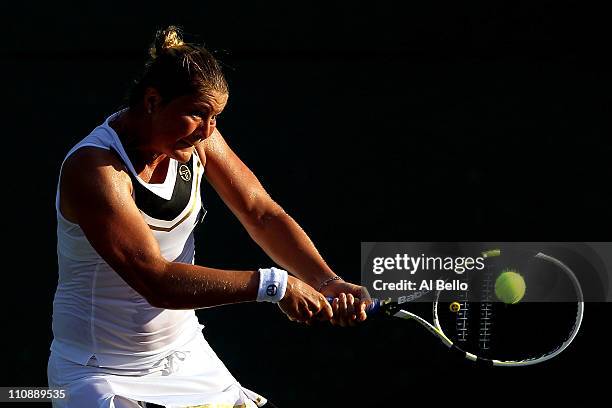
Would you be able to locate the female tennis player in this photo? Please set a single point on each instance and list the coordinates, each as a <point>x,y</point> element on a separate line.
<point>128,200</point>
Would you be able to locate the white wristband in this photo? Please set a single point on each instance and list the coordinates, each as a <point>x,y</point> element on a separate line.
<point>272,285</point>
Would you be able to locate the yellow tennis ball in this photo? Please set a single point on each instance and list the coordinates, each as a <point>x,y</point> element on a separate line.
<point>510,287</point>
<point>455,307</point>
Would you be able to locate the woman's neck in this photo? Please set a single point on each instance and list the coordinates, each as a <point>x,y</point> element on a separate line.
<point>133,131</point>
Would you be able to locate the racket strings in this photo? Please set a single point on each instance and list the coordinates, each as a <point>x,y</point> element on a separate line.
<point>486,310</point>
<point>463,316</point>
<point>512,334</point>
<point>525,333</point>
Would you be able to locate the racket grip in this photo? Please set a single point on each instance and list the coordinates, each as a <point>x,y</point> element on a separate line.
<point>371,309</point>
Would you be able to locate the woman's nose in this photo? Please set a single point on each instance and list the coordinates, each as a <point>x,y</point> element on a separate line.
<point>207,129</point>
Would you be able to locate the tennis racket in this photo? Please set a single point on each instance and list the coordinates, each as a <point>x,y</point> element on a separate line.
<point>476,325</point>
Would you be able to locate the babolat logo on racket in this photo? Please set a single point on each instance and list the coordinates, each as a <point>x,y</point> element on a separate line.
<point>271,290</point>
<point>184,172</point>
<point>411,297</point>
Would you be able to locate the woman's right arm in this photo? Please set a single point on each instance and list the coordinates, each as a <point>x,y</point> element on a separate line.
<point>96,194</point>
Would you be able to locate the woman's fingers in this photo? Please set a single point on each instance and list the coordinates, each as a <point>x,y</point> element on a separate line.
<point>306,311</point>
<point>325,311</point>
<point>361,310</point>
<point>344,314</point>
<point>348,310</point>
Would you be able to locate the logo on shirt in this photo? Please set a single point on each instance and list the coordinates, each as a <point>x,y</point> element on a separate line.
<point>184,172</point>
<point>271,290</point>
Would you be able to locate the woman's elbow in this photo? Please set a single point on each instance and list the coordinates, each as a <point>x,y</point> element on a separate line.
<point>261,218</point>
<point>147,278</point>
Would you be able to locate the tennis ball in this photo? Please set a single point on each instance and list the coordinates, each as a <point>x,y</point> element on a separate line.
<point>510,287</point>
<point>455,307</point>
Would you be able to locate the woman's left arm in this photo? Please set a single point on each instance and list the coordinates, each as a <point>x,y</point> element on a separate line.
<point>274,230</point>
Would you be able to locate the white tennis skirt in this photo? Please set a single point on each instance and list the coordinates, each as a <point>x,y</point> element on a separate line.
<point>192,376</point>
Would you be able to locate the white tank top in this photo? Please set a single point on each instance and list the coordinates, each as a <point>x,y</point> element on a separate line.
<point>95,312</point>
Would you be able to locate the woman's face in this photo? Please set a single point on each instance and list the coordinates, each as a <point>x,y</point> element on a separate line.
<point>176,127</point>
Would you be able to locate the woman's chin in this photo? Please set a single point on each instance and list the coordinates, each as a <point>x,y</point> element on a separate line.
<point>183,154</point>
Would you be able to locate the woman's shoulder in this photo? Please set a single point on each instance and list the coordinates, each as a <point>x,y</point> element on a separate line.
<point>94,156</point>
<point>213,146</point>
<point>91,175</point>
<point>88,161</point>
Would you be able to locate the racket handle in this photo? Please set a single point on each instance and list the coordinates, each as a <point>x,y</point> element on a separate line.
<point>371,309</point>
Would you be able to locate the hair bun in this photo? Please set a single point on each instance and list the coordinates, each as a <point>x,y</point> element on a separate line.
<point>166,38</point>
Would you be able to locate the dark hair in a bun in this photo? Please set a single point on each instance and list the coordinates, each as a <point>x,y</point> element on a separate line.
<point>177,68</point>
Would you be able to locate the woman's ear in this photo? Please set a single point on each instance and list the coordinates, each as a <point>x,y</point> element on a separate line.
<point>152,99</point>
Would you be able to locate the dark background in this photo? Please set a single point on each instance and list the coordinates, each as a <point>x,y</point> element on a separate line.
<point>367,122</point>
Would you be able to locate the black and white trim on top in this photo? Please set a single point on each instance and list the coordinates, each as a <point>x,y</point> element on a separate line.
<point>157,207</point>
<point>163,214</point>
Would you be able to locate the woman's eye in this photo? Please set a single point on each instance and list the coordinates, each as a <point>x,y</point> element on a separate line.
<point>199,114</point>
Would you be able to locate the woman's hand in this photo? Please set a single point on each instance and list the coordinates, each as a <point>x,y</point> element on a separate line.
<point>349,302</point>
<point>302,303</point>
